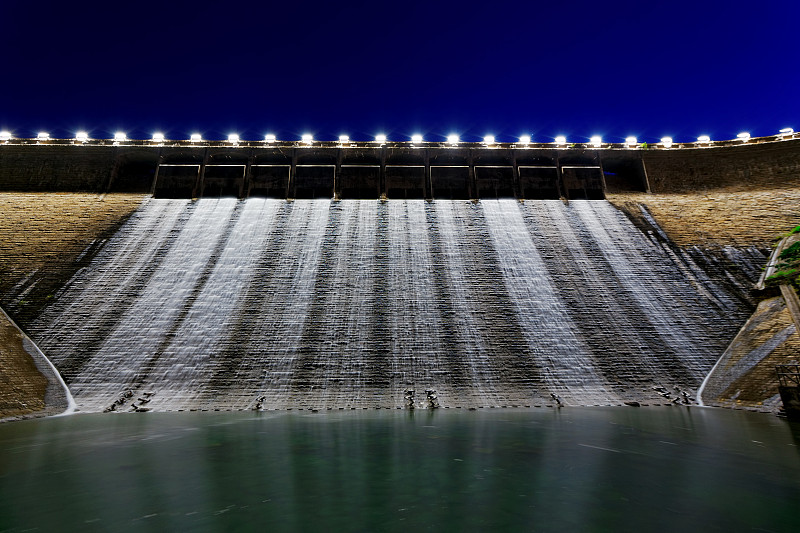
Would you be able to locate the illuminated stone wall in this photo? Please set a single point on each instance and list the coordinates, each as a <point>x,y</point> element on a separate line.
<point>56,167</point>
<point>480,171</point>
<point>755,166</point>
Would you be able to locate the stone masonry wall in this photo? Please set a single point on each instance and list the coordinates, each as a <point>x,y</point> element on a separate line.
<point>72,168</point>
<point>46,237</point>
<point>697,170</point>
<point>745,375</point>
<point>22,386</point>
<point>721,217</point>
<point>712,205</point>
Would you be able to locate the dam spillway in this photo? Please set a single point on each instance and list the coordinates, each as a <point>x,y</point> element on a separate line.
<point>317,304</point>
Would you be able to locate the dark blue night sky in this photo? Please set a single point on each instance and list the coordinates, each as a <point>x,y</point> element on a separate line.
<point>644,68</point>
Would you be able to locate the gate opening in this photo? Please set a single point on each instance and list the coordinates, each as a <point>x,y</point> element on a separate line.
<point>176,181</point>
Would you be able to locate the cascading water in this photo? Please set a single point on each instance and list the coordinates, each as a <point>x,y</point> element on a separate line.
<point>226,304</point>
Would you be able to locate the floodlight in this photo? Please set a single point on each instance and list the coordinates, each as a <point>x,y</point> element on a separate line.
<point>561,140</point>
<point>5,135</point>
<point>525,139</point>
<point>596,141</point>
<point>158,137</point>
<point>380,138</point>
<point>489,139</point>
<point>43,136</point>
<point>233,138</point>
<point>630,141</point>
<point>786,131</point>
<point>453,139</point>
<point>82,136</point>
<point>120,136</point>
<point>744,136</point>
<point>416,138</point>
<point>704,139</point>
<point>307,138</point>
<point>666,142</point>
<point>269,137</point>
<point>195,137</point>
<point>344,139</point>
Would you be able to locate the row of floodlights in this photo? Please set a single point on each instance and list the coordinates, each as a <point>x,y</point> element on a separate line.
<point>596,141</point>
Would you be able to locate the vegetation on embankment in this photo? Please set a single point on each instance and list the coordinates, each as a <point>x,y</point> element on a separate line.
<point>787,265</point>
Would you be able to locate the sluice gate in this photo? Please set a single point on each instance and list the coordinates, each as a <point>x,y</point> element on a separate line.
<point>395,173</point>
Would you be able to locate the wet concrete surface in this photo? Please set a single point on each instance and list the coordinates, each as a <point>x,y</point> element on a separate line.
<point>224,304</point>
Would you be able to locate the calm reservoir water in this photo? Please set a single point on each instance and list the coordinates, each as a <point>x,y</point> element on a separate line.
<point>576,469</point>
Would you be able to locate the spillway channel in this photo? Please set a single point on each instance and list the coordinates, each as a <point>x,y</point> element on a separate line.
<point>317,304</point>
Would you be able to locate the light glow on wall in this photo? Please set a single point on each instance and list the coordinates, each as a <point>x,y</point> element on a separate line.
<point>452,139</point>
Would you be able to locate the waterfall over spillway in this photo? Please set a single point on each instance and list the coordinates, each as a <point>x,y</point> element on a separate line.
<point>226,304</point>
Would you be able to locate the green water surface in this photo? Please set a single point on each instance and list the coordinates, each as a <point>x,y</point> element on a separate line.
<point>573,469</point>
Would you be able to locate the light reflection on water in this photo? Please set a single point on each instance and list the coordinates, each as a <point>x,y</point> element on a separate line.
<point>590,469</point>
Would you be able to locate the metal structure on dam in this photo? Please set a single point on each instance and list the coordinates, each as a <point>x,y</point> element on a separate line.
<point>380,276</point>
<point>296,170</point>
<point>388,172</point>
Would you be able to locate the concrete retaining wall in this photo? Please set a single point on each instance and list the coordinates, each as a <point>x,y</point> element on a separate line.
<point>768,166</point>
<point>56,167</point>
<point>432,171</point>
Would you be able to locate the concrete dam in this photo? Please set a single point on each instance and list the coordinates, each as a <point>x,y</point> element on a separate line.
<point>212,295</point>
